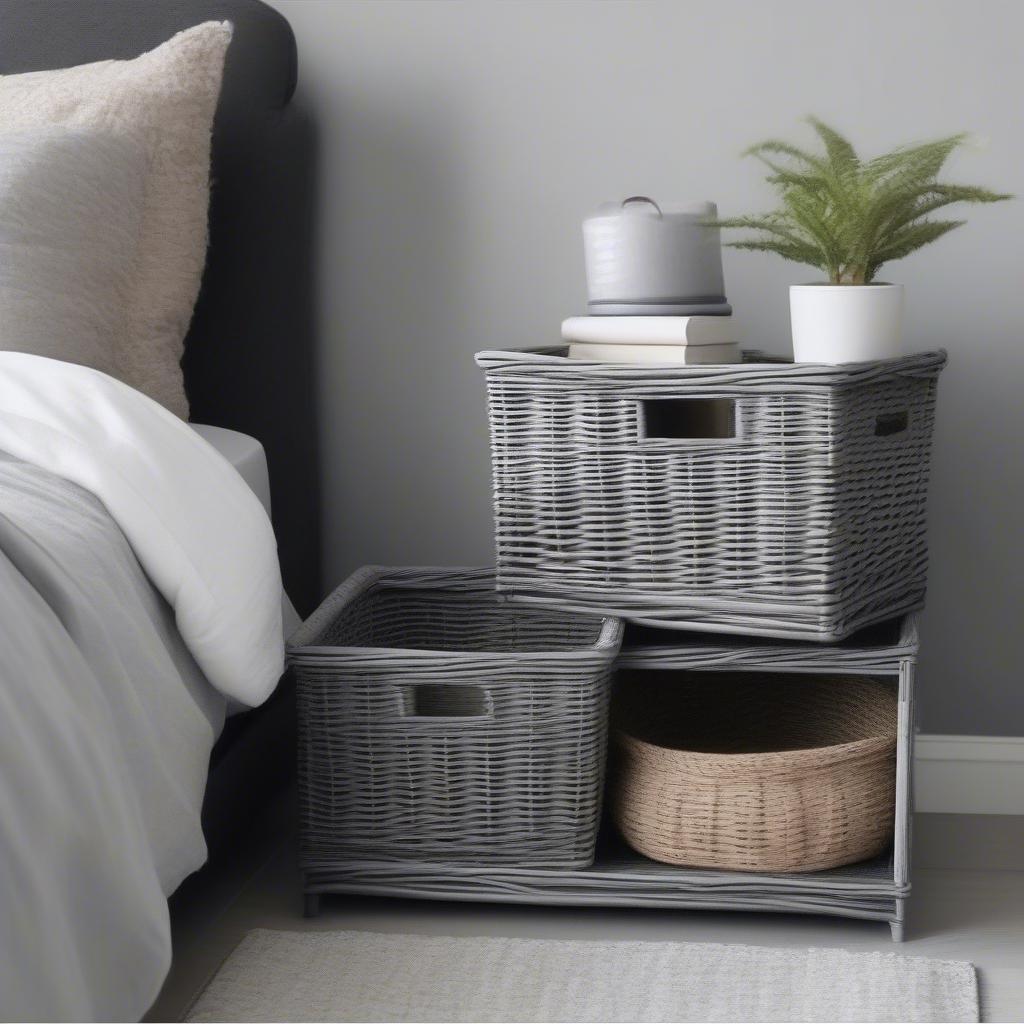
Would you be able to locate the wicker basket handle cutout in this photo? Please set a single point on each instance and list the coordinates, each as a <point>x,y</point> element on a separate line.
<point>438,704</point>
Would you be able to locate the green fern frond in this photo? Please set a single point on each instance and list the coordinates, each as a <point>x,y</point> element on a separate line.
<point>969,194</point>
<point>923,160</point>
<point>930,198</point>
<point>786,176</point>
<point>768,222</point>
<point>841,154</point>
<point>778,148</point>
<point>848,217</point>
<point>804,254</point>
<point>912,238</point>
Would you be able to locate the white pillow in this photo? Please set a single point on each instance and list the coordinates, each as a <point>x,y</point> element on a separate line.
<point>165,100</point>
<point>70,216</point>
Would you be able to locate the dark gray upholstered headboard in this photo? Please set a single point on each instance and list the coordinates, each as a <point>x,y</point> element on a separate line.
<point>249,353</point>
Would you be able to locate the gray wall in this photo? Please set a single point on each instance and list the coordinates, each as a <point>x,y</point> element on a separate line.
<point>463,142</point>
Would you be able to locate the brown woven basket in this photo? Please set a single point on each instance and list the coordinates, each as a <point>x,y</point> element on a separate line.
<point>754,772</point>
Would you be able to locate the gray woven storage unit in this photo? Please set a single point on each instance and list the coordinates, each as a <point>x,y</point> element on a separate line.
<point>873,890</point>
<point>784,500</point>
<point>437,721</point>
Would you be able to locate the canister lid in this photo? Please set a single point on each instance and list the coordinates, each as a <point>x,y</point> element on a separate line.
<point>645,206</point>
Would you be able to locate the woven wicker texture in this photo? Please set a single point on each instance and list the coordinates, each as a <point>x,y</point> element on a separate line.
<point>440,723</point>
<point>628,879</point>
<point>747,772</point>
<point>876,650</point>
<point>809,522</point>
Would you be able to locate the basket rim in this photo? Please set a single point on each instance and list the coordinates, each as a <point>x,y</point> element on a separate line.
<point>465,579</point>
<point>552,358</point>
<point>798,759</point>
<point>711,653</point>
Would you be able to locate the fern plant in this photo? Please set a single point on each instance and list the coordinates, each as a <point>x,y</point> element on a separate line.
<point>848,216</point>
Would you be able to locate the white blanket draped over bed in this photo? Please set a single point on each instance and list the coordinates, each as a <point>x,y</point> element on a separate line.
<point>139,588</point>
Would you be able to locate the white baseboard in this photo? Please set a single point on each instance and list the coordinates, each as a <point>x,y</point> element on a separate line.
<point>969,774</point>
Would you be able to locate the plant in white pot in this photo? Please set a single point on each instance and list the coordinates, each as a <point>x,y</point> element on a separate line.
<point>846,217</point>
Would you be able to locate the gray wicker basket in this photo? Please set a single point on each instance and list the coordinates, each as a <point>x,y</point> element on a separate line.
<point>439,723</point>
<point>784,500</point>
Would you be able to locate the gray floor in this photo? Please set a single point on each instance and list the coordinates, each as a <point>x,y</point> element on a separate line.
<point>967,904</point>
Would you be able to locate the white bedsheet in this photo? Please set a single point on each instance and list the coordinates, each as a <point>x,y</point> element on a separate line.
<point>118,610</point>
<point>246,454</point>
<point>200,533</point>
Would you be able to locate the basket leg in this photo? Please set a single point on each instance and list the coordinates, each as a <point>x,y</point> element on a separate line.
<point>311,904</point>
<point>896,925</point>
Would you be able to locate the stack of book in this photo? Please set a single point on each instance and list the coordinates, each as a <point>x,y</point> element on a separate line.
<point>679,340</point>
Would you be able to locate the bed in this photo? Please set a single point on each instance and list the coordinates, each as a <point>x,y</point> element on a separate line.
<point>248,358</point>
<point>249,353</point>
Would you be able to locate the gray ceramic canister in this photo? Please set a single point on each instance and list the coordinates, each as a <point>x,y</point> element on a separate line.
<point>647,259</point>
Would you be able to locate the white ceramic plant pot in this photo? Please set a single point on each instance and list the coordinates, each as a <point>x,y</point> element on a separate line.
<point>846,323</point>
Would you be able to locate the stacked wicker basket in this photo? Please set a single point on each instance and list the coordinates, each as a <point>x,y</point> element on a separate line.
<point>768,521</point>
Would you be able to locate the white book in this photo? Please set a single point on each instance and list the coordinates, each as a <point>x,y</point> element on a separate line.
<point>679,355</point>
<point>650,330</point>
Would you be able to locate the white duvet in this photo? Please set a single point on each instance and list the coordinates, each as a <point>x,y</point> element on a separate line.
<point>139,590</point>
<point>200,533</point>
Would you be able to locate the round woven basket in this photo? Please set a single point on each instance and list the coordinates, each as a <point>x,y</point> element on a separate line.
<point>752,772</point>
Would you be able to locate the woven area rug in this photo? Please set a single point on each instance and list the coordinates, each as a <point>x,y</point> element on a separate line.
<point>367,976</point>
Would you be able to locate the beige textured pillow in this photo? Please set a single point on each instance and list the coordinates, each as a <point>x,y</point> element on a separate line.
<point>164,100</point>
<point>70,216</point>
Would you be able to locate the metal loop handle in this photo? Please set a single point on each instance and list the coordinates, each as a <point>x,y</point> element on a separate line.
<point>643,199</point>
